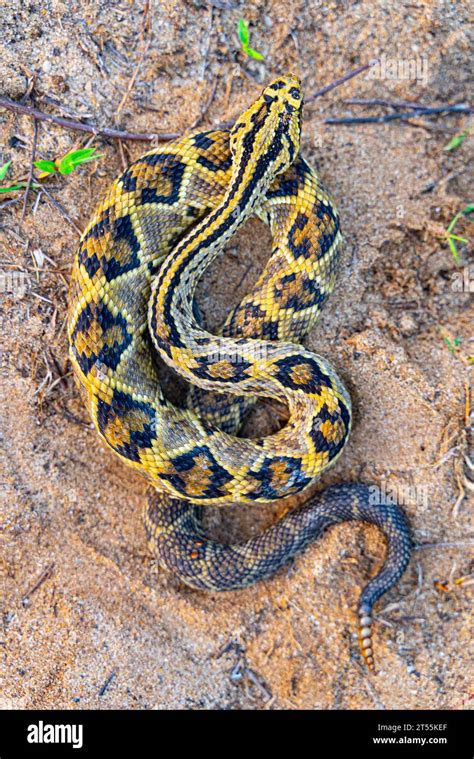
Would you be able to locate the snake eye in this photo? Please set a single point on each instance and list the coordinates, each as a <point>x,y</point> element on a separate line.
<point>295,93</point>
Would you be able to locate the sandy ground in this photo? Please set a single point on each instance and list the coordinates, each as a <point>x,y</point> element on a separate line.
<point>88,619</point>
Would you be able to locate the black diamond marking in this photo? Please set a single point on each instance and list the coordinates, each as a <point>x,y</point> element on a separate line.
<point>219,475</point>
<point>252,312</point>
<point>311,295</point>
<point>120,405</point>
<point>264,476</point>
<point>304,247</point>
<point>216,165</point>
<point>320,442</point>
<point>122,231</point>
<point>172,171</point>
<point>109,355</point>
<point>239,366</point>
<point>317,380</point>
<point>203,141</point>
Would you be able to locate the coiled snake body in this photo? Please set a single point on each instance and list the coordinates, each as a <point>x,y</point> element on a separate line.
<point>159,227</point>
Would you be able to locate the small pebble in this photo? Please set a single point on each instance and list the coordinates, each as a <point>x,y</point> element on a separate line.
<point>407,325</point>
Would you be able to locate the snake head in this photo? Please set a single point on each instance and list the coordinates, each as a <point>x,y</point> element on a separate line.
<point>271,127</point>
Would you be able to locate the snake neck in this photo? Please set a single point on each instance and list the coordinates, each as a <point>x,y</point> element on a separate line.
<point>264,142</point>
<point>170,309</point>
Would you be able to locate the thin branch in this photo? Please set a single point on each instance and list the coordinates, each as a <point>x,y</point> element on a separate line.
<point>446,544</point>
<point>461,108</point>
<point>386,103</point>
<point>342,80</point>
<point>30,173</point>
<point>9,203</point>
<point>117,134</point>
<point>107,683</point>
<point>78,126</point>
<point>45,575</point>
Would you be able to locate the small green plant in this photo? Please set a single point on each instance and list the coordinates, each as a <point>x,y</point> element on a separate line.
<point>244,37</point>
<point>64,165</point>
<point>12,187</point>
<point>452,345</point>
<point>451,237</point>
<point>457,140</point>
<point>67,163</point>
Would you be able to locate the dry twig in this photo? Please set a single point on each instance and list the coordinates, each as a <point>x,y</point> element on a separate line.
<point>342,80</point>
<point>45,575</point>
<point>459,108</point>
<point>78,126</point>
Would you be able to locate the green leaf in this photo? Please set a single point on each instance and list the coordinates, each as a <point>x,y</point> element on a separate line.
<point>48,166</point>
<point>19,186</point>
<point>449,344</point>
<point>12,187</point>
<point>66,166</point>
<point>243,32</point>
<point>80,155</point>
<point>450,236</point>
<point>454,250</point>
<point>75,158</point>
<point>4,169</point>
<point>456,141</point>
<point>253,53</point>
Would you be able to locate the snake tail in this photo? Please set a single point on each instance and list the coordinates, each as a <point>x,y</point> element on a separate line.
<point>176,535</point>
